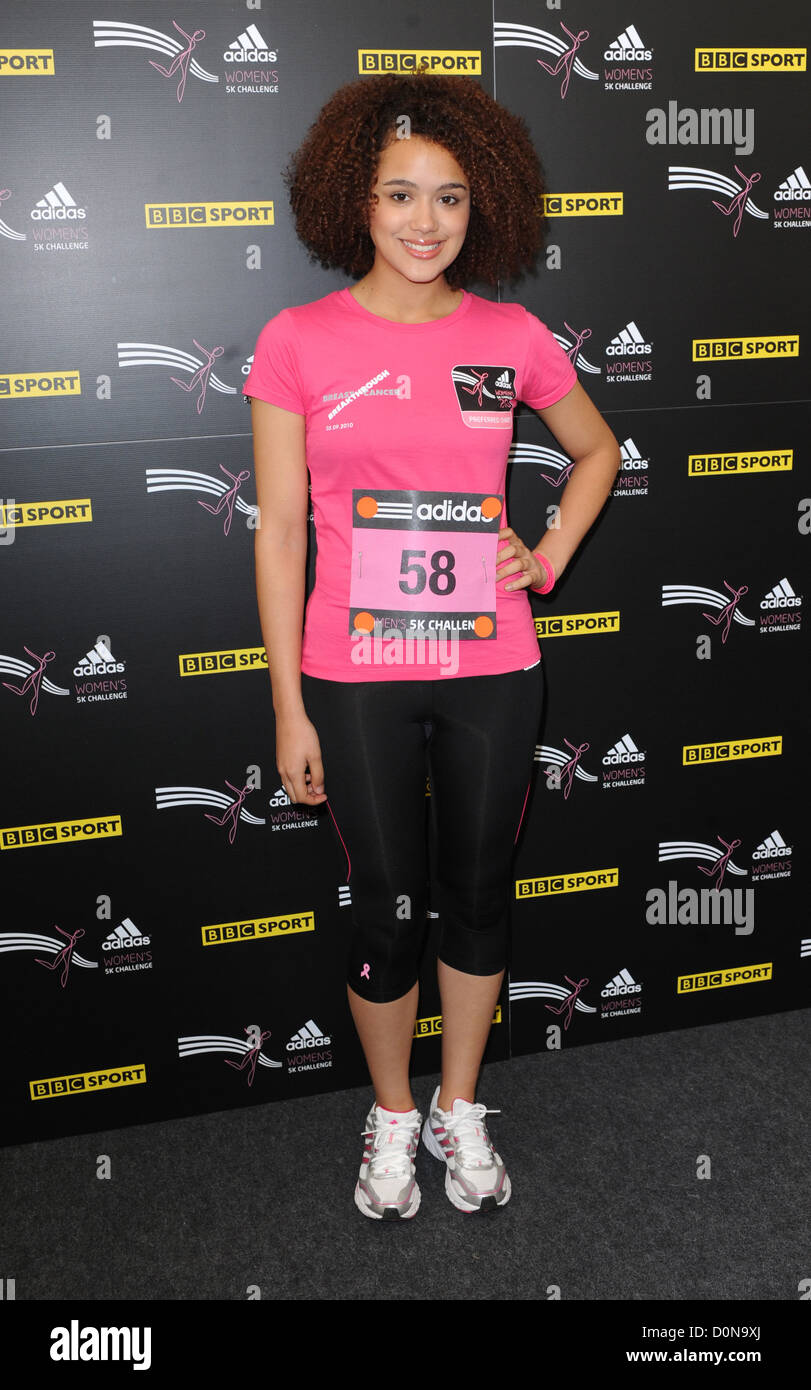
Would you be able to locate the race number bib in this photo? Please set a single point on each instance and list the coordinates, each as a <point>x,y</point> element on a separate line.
<point>424,563</point>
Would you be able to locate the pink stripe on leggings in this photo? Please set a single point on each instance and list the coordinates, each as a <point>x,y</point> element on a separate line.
<point>343,842</point>
<point>523,809</point>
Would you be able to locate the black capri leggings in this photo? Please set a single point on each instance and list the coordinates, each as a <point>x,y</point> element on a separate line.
<point>480,734</point>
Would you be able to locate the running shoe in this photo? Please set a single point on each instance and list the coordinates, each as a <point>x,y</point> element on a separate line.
<point>476,1179</point>
<point>387,1189</point>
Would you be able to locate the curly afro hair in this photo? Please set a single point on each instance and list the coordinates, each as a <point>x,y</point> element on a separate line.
<point>330,176</point>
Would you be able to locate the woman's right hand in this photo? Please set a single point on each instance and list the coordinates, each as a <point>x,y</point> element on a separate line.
<point>298,759</point>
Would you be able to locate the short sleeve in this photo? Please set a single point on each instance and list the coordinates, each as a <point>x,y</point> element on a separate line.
<point>548,374</point>
<point>274,376</point>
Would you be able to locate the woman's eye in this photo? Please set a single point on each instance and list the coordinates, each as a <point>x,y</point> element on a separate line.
<point>446,198</point>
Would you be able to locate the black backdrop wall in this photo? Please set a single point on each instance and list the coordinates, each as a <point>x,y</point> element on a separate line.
<point>168,911</point>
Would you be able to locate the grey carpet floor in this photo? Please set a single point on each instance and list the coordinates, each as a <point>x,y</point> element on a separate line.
<point>603,1143</point>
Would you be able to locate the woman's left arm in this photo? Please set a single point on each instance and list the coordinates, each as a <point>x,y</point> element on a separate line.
<point>581,430</point>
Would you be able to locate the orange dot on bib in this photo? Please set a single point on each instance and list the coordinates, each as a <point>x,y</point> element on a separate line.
<point>364,622</point>
<point>367,506</point>
<point>491,506</point>
<point>483,626</point>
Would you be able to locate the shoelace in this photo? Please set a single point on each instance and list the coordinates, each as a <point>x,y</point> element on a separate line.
<point>390,1151</point>
<point>473,1148</point>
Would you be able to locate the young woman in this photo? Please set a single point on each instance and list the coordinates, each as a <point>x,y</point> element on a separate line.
<point>397,395</point>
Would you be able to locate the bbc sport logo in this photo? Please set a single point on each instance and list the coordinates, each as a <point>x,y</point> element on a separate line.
<point>736,60</point>
<point>26,62</point>
<point>762,349</point>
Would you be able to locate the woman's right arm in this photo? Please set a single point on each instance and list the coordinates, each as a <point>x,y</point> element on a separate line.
<point>281,564</point>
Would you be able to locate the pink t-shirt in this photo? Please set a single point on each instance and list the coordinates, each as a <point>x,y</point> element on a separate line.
<point>408,430</point>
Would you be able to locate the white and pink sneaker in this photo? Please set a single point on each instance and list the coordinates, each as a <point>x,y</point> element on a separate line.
<point>476,1179</point>
<point>387,1188</point>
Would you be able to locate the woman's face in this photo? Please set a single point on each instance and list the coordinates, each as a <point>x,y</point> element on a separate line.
<point>419,210</point>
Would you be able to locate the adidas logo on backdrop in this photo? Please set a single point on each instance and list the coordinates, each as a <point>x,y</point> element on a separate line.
<point>781,596</point>
<point>124,937</point>
<point>249,47</point>
<point>309,1035</point>
<point>98,661</point>
<point>623,751</point>
<point>628,341</point>
<point>773,847</point>
<point>628,47</point>
<point>623,983</point>
<point>58,206</point>
<point>795,189</point>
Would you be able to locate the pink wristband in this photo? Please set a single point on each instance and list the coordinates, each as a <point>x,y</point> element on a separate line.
<point>550,574</point>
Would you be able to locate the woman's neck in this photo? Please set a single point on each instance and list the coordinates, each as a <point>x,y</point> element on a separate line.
<point>401,301</point>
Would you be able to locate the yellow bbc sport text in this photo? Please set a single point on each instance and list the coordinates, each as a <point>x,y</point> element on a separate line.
<point>583,204</point>
<point>724,465</point>
<point>750,59</point>
<point>66,510</point>
<point>720,979</point>
<point>463,62</point>
<point>83,1081</point>
<point>729,751</point>
<point>566,883</point>
<point>215,663</point>
<point>578,624</point>
<point>746,349</point>
<point>59,832</point>
<point>432,1027</point>
<point>258,928</point>
<point>185,215</point>
<point>26,62</point>
<point>19,386</point>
